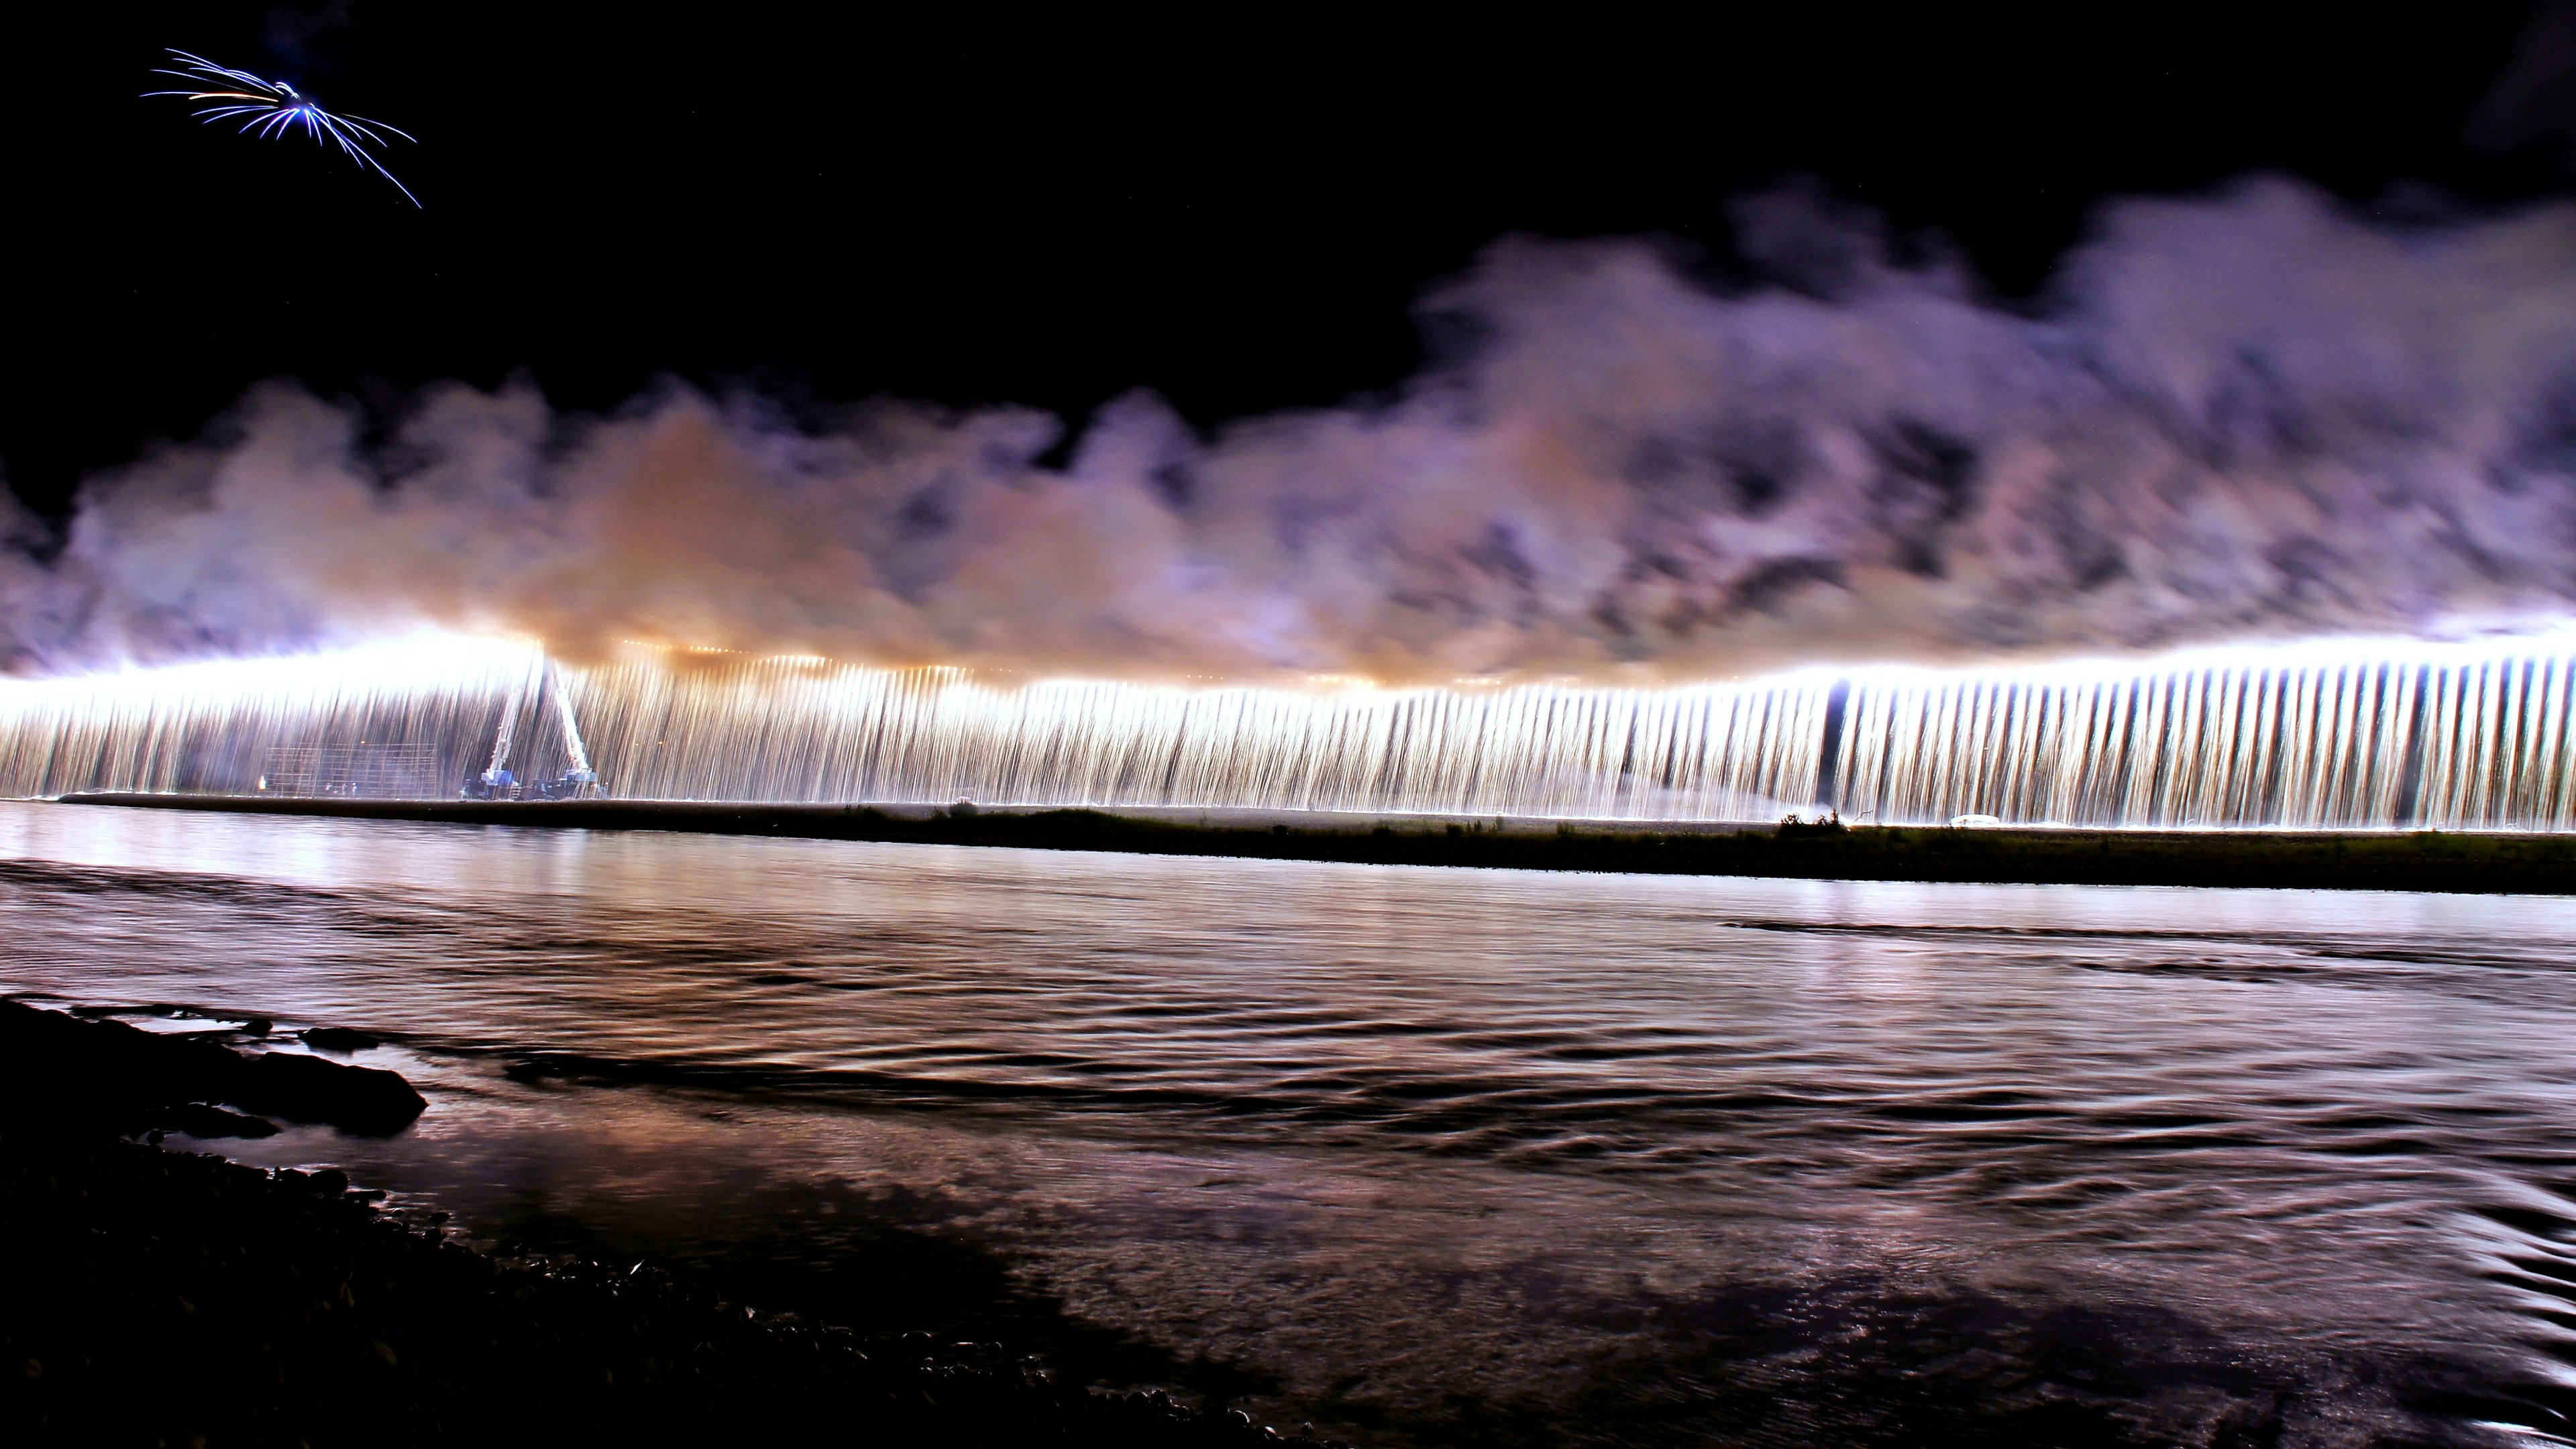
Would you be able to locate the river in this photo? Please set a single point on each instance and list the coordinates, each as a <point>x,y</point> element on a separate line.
<point>1428,1156</point>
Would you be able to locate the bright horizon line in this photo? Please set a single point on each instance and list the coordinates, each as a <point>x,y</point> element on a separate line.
<point>2554,637</point>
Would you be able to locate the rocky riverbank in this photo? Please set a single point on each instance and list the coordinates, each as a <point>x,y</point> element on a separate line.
<point>164,1298</point>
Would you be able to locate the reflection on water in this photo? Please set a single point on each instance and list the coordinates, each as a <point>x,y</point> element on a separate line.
<point>1453,1156</point>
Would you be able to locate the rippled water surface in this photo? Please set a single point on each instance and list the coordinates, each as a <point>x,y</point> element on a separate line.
<point>1444,1156</point>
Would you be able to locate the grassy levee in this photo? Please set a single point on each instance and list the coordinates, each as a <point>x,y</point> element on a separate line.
<point>2451,862</point>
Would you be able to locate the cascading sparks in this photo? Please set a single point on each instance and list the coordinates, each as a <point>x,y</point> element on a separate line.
<point>2358,734</point>
<point>2342,735</point>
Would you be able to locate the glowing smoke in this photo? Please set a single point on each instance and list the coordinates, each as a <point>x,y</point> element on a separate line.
<point>2250,416</point>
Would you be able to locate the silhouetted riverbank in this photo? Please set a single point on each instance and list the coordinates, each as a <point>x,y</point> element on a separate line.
<point>2448,862</point>
<point>162,1297</point>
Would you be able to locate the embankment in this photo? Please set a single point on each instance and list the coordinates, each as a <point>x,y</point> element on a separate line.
<point>2440,861</point>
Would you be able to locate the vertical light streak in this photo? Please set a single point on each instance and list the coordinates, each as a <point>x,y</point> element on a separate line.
<point>2365,734</point>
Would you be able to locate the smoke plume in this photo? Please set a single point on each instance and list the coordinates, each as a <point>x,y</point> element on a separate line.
<point>2253,415</point>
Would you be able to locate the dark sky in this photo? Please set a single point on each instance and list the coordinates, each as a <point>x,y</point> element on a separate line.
<point>965,205</point>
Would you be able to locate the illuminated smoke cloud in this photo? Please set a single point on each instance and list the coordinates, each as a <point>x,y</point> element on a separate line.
<point>2250,416</point>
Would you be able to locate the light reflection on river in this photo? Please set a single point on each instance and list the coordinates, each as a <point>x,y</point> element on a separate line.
<point>1454,1156</point>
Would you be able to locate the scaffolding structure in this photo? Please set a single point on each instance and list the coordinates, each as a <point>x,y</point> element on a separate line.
<point>355,772</point>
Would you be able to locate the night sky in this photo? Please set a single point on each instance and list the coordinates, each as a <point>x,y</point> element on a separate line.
<point>967,206</point>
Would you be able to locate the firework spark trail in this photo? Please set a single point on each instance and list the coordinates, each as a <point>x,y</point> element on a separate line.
<point>273,108</point>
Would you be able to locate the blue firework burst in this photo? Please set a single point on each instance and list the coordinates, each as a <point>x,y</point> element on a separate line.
<point>270,109</point>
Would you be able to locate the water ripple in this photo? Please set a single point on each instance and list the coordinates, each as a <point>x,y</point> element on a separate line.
<point>2281,1167</point>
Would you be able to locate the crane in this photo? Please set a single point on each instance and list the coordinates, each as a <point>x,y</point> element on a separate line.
<point>498,782</point>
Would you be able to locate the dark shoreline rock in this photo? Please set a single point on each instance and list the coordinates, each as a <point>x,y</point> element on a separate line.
<point>365,1100</point>
<point>107,1074</point>
<point>338,1039</point>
